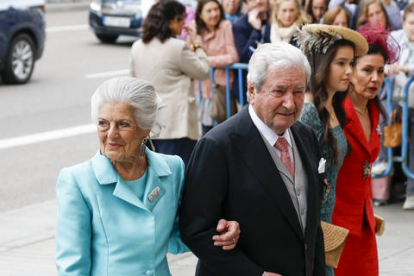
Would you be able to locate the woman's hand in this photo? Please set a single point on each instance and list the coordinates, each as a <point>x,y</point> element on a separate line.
<point>192,33</point>
<point>229,234</point>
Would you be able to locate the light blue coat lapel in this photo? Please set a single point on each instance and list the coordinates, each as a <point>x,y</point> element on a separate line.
<point>157,170</point>
<point>158,176</point>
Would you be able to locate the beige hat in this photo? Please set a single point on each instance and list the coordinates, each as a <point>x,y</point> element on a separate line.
<point>334,238</point>
<point>319,37</point>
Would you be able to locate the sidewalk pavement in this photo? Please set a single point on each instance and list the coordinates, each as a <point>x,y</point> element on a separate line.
<point>27,244</point>
<point>67,5</point>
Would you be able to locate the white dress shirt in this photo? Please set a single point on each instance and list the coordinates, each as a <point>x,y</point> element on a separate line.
<point>270,136</point>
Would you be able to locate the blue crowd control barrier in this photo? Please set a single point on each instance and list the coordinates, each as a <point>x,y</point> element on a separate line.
<point>404,142</point>
<point>390,159</point>
<point>235,66</point>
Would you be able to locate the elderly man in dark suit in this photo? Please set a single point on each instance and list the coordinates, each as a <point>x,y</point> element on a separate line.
<point>259,168</point>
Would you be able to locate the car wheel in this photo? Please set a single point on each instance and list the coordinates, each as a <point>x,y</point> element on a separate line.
<point>104,38</point>
<point>19,60</point>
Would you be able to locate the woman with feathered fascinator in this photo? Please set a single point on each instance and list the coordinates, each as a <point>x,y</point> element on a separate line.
<point>331,51</point>
<point>353,208</point>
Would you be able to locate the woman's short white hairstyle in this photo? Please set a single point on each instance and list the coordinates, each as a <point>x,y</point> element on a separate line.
<point>279,55</point>
<point>139,94</point>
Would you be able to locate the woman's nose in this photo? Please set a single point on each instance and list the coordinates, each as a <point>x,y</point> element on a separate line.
<point>113,132</point>
<point>348,70</point>
<point>374,76</point>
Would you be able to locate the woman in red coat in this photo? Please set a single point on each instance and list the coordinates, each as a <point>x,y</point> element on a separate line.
<point>353,209</point>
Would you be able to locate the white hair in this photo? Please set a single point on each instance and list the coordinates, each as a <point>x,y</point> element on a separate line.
<point>139,94</point>
<point>279,55</point>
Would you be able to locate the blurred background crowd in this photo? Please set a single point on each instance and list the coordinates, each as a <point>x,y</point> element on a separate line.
<point>222,33</point>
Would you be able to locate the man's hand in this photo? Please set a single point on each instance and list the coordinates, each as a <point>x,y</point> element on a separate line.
<point>254,19</point>
<point>230,233</point>
<point>271,274</point>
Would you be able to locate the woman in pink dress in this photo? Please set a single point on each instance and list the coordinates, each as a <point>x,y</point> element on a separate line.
<point>214,34</point>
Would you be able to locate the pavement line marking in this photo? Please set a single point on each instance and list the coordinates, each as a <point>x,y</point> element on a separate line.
<point>123,72</point>
<point>69,28</point>
<point>46,136</point>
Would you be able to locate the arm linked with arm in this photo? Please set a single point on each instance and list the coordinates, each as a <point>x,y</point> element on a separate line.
<point>175,244</point>
<point>204,193</point>
<point>73,231</point>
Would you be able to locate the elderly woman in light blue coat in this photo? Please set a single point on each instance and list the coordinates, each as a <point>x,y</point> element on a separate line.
<point>117,213</point>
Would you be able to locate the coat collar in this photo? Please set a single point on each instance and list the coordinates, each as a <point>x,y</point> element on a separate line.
<point>254,151</point>
<point>354,127</point>
<point>157,171</point>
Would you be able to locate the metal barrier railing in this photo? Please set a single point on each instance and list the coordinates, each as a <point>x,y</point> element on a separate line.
<point>404,142</point>
<point>235,66</point>
<point>391,156</point>
<point>389,106</point>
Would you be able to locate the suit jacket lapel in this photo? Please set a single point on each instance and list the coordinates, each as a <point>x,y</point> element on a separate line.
<point>159,176</point>
<point>253,149</point>
<point>354,126</point>
<point>157,170</point>
<point>311,171</point>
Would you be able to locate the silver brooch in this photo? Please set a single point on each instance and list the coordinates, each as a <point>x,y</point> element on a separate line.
<point>153,195</point>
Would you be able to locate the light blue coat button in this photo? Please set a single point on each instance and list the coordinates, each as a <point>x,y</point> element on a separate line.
<point>149,272</point>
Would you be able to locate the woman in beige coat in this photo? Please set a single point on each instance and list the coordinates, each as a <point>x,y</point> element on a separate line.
<point>171,66</point>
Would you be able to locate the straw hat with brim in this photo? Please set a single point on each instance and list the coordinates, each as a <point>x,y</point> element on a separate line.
<point>334,238</point>
<point>319,37</point>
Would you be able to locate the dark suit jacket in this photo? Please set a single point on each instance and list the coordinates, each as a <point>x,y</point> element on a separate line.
<point>245,36</point>
<point>232,175</point>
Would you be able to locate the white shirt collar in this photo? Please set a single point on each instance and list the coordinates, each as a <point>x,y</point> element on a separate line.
<point>270,136</point>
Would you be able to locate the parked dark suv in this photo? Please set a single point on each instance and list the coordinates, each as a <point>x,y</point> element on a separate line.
<point>22,38</point>
<point>112,18</point>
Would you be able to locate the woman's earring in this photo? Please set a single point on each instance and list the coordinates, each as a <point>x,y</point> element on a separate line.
<point>143,146</point>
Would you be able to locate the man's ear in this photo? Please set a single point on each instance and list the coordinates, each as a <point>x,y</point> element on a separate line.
<point>251,92</point>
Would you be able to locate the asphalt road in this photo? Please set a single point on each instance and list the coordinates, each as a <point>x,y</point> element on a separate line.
<point>52,105</point>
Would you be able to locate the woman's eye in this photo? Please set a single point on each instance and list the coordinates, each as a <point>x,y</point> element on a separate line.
<point>102,123</point>
<point>124,124</point>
